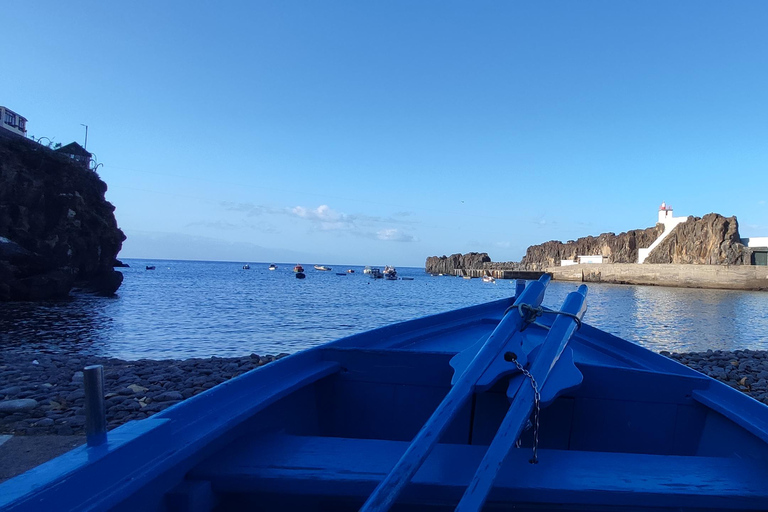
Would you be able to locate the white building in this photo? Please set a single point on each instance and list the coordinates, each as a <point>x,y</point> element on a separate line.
<point>12,123</point>
<point>595,259</point>
<point>669,221</point>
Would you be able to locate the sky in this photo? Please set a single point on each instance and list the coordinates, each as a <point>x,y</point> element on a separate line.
<point>386,132</point>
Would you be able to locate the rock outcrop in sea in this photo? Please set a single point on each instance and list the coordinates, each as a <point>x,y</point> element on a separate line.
<point>447,264</point>
<point>57,231</point>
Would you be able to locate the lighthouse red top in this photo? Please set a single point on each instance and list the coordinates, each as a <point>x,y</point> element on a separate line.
<point>664,207</point>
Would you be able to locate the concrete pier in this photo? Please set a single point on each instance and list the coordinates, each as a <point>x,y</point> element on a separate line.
<point>498,273</point>
<point>735,277</point>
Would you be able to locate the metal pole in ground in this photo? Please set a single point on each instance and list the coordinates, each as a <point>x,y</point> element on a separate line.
<point>95,411</point>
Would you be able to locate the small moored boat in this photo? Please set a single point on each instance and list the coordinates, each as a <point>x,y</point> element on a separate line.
<point>367,270</point>
<point>350,271</point>
<point>375,273</point>
<point>323,268</point>
<point>506,405</point>
<point>390,273</point>
<point>246,267</point>
<point>273,267</point>
<point>489,279</point>
<point>150,267</point>
<point>298,268</point>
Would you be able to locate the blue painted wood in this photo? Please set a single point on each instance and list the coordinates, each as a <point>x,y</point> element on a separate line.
<point>522,394</point>
<point>386,493</point>
<point>350,468</point>
<point>321,429</point>
<point>143,450</point>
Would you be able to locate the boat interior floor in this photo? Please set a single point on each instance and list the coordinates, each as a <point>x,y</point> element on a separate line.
<point>638,441</point>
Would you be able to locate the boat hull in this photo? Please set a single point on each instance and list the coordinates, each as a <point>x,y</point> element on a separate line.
<point>320,429</point>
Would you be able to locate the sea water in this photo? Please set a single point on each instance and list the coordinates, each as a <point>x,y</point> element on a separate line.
<point>186,309</point>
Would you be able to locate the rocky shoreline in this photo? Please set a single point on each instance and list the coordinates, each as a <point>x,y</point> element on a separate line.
<point>43,394</point>
<point>745,370</point>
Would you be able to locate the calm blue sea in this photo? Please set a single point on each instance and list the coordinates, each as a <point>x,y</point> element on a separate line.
<point>199,309</point>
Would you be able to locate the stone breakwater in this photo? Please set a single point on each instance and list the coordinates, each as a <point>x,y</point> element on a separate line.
<point>745,370</point>
<point>44,394</point>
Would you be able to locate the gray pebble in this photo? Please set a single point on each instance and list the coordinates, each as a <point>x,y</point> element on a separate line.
<point>12,390</point>
<point>25,404</point>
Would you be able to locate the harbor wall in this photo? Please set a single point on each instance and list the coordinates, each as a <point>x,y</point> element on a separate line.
<point>727,277</point>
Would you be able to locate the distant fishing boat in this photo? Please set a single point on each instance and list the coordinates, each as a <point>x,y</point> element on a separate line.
<point>273,267</point>
<point>350,271</point>
<point>390,273</point>
<point>298,268</point>
<point>150,267</point>
<point>375,273</point>
<point>323,268</point>
<point>246,267</point>
<point>502,406</point>
<point>367,270</point>
<point>341,274</point>
<point>489,279</point>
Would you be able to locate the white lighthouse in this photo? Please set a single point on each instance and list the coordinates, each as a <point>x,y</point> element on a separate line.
<point>669,221</point>
<point>665,213</point>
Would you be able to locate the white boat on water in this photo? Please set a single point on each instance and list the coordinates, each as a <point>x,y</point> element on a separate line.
<point>367,270</point>
<point>273,267</point>
<point>489,279</point>
<point>390,273</point>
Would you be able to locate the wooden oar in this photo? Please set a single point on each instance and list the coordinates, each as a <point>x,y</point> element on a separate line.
<point>522,394</point>
<point>386,493</point>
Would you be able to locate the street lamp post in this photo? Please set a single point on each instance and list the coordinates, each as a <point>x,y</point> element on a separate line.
<point>86,135</point>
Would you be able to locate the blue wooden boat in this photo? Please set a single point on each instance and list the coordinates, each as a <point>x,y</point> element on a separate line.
<point>500,406</point>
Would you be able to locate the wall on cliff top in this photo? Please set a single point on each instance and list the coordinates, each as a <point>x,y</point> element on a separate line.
<point>621,248</point>
<point>57,229</point>
<point>709,240</point>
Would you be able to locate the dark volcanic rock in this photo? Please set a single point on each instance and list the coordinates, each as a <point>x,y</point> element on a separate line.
<point>709,240</point>
<point>447,264</point>
<point>621,248</point>
<point>56,229</point>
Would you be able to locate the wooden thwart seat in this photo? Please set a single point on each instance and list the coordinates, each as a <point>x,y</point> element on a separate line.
<point>353,467</point>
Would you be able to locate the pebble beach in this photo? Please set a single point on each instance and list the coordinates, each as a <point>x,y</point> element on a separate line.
<point>43,394</point>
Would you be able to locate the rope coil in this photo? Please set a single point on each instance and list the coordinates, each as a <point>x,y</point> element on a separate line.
<point>529,314</point>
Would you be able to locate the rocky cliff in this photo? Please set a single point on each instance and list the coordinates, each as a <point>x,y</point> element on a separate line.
<point>621,248</point>
<point>447,264</point>
<point>709,240</point>
<point>56,229</point>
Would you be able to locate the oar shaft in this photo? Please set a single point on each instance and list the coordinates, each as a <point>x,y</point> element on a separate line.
<point>509,431</point>
<point>386,493</point>
<point>520,410</point>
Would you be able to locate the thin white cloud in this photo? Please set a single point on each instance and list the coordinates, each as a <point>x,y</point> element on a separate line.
<point>394,235</point>
<point>250,209</point>
<point>213,224</point>
<point>322,213</point>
